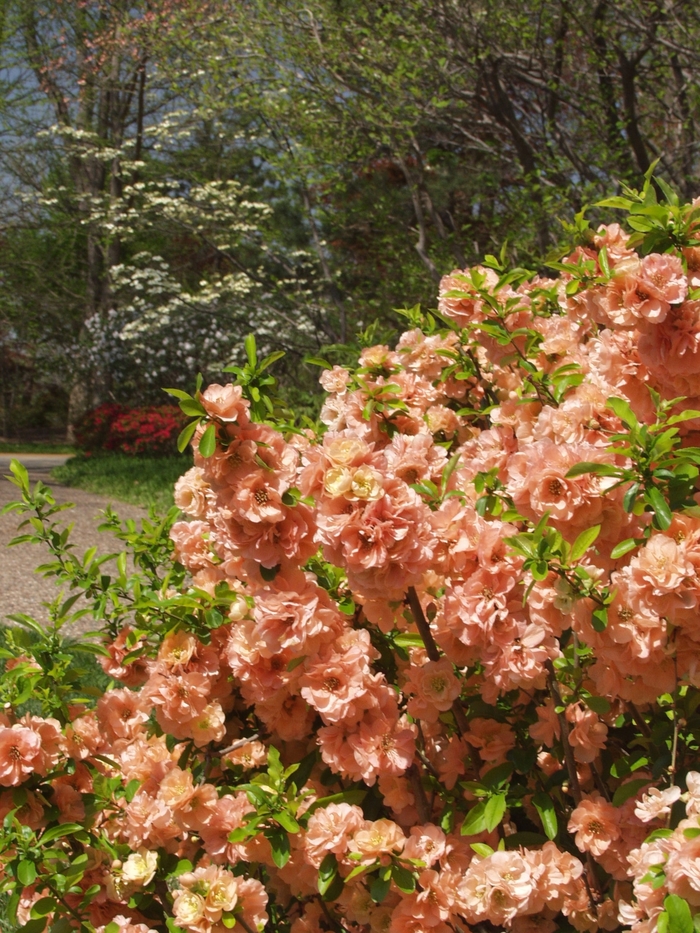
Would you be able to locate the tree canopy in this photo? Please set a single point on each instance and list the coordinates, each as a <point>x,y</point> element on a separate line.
<point>177,173</point>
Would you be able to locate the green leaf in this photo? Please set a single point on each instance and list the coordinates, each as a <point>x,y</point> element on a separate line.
<point>623,411</point>
<point>449,469</point>
<point>539,569</point>
<point>317,361</point>
<point>583,542</point>
<point>191,408</point>
<point>57,832</point>
<point>287,821</point>
<point>623,204</point>
<point>34,926</point>
<point>44,906</point>
<point>26,873</point>
<point>279,844</point>
<point>544,805</point>
<point>269,360</point>
<point>661,509</point>
<point>687,415</point>
<point>21,477</point>
<point>630,497</point>
<point>624,547</point>
<point>475,821</point>
<point>178,393</point>
<point>598,704</point>
<point>207,442</point>
<point>482,849</point>
<point>327,873</point>
<point>494,810</point>
<point>669,193</point>
<point>498,775</point>
<point>587,466</point>
<point>251,350</point>
<point>627,790</point>
<point>403,878</point>
<point>599,618</point>
<point>185,436</point>
<point>680,919</point>
<point>380,888</point>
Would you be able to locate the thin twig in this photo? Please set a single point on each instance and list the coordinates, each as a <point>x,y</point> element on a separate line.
<point>640,720</point>
<point>564,726</point>
<point>239,744</point>
<point>433,652</point>
<point>422,807</point>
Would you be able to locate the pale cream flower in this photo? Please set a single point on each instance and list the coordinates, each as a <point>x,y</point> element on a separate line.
<point>140,867</point>
<point>367,484</point>
<point>656,803</point>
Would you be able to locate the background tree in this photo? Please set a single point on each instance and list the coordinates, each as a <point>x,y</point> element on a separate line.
<point>188,171</point>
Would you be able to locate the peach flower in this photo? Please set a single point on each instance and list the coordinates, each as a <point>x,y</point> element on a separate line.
<point>225,403</point>
<point>596,824</point>
<point>20,753</point>
<point>330,829</point>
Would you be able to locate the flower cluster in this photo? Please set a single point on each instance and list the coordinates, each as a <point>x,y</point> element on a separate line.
<point>150,430</point>
<point>436,665</point>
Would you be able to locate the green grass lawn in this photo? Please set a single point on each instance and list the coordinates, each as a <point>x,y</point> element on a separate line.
<point>140,481</point>
<point>34,447</point>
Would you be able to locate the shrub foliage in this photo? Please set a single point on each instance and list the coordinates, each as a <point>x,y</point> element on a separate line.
<point>149,430</point>
<point>432,665</point>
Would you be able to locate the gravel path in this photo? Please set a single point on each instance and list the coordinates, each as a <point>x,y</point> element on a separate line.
<point>21,590</point>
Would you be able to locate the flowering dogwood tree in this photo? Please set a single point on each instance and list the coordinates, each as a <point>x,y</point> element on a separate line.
<point>432,667</point>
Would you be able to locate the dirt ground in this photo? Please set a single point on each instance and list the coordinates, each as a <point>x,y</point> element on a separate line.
<point>22,590</point>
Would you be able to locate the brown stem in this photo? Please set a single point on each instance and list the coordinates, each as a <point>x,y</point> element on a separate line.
<point>640,720</point>
<point>564,726</point>
<point>433,652</point>
<point>600,783</point>
<point>589,877</point>
<point>422,807</point>
<point>676,725</point>
<point>335,924</point>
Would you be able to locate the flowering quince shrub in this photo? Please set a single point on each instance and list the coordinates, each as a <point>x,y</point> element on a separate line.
<point>432,667</point>
<point>150,430</point>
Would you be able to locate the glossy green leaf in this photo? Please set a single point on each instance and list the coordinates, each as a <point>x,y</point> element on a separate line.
<point>57,832</point>
<point>544,805</point>
<point>403,878</point>
<point>599,618</point>
<point>379,888</point>
<point>207,442</point>
<point>251,350</point>
<point>627,790</point>
<point>327,873</point>
<point>624,547</point>
<point>587,466</point>
<point>583,542</point>
<point>475,821</point>
<point>279,844</point>
<point>661,508</point>
<point>494,810</point>
<point>624,412</point>
<point>26,872</point>
<point>680,919</point>
<point>185,436</point>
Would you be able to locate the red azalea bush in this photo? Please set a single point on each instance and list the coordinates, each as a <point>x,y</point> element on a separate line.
<point>149,430</point>
<point>435,667</point>
<point>93,431</point>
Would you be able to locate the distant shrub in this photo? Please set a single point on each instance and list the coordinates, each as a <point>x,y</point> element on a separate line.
<point>149,430</point>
